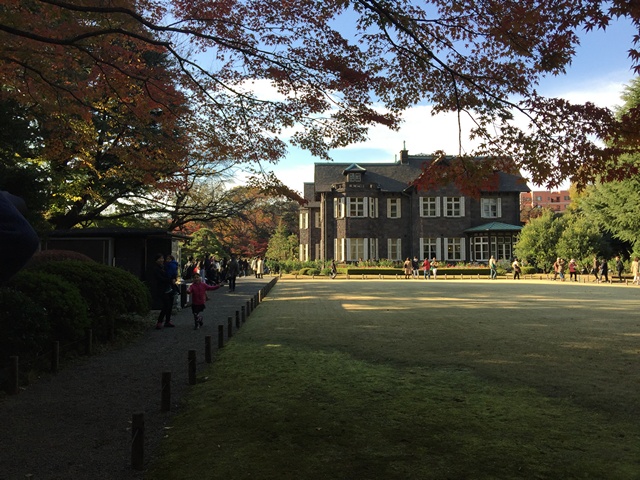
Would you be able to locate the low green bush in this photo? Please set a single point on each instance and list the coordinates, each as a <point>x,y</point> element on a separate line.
<point>110,292</point>
<point>65,307</point>
<point>46,256</point>
<point>313,271</point>
<point>24,324</point>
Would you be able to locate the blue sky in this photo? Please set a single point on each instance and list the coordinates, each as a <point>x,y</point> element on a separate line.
<point>597,74</point>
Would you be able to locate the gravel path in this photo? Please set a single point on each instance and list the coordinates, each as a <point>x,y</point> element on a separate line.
<point>76,424</point>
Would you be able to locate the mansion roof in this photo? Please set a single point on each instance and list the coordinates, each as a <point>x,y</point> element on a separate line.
<point>390,177</point>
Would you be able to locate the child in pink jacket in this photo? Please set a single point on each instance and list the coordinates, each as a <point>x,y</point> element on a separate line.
<point>198,290</point>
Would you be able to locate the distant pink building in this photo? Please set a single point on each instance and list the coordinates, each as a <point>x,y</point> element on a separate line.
<point>556,201</point>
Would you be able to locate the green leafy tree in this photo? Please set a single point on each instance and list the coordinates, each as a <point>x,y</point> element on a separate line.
<point>582,238</point>
<point>283,245</point>
<point>203,243</point>
<point>615,205</point>
<point>538,240</point>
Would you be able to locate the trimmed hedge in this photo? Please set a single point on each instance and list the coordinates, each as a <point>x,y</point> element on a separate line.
<point>65,308</point>
<point>110,292</point>
<point>24,325</point>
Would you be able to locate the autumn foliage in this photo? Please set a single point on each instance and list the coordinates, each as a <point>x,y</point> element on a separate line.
<point>130,89</point>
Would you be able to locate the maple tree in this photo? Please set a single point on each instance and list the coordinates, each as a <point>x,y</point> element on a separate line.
<point>334,68</point>
<point>247,234</point>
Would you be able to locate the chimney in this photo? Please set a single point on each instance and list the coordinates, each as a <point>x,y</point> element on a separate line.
<point>404,154</point>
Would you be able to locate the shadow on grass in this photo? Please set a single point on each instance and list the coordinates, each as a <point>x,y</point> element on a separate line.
<point>434,380</point>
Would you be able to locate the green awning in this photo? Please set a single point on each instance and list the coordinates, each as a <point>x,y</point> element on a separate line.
<point>494,227</point>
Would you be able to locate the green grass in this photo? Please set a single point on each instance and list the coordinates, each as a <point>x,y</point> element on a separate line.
<point>419,380</point>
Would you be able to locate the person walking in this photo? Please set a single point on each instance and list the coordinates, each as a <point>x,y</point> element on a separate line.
<point>434,268</point>
<point>415,265</point>
<point>604,270</point>
<point>516,269</point>
<point>334,269</point>
<point>573,270</point>
<point>635,268</point>
<point>619,268</point>
<point>493,267</point>
<point>595,269</point>
<point>407,268</point>
<point>426,269</point>
<point>198,290</point>
<point>259,267</point>
<point>233,269</point>
<point>164,287</point>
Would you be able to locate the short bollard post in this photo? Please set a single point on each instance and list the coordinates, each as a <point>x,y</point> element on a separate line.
<point>207,349</point>
<point>220,336</point>
<point>243,314</point>
<point>192,367</point>
<point>237,319</point>
<point>165,396</point>
<point>137,441</point>
<point>14,374</point>
<point>260,296</point>
<point>248,308</point>
<point>229,327</point>
<point>88,342</point>
<point>55,357</point>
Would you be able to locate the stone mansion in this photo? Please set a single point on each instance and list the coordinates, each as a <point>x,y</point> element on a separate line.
<point>370,211</point>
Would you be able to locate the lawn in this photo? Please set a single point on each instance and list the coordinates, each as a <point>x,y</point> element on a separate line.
<point>414,379</point>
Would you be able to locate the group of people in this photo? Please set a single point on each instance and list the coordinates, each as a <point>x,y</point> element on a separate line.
<point>599,269</point>
<point>411,268</point>
<point>203,275</point>
<point>214,271</point>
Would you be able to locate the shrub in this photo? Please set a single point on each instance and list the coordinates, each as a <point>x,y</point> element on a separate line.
<point>24,325</point>
<point>65,307</point>
<point>313,271</point>
<point>46,256</point>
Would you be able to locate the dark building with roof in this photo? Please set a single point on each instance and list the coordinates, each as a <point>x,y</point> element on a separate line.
<point>372,211</point>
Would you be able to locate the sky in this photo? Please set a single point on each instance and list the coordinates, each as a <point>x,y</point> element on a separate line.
<point>598,74</point>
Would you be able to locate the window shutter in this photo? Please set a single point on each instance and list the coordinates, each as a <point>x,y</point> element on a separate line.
<point>438,247</point>
<point>422,212</point>
<point>463,249</point>
<point>499,207</point>
<point>462,214</point>
<point>444,206</point>
<point>421,248</point>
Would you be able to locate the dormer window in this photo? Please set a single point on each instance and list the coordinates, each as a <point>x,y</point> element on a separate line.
<point>354,173</point>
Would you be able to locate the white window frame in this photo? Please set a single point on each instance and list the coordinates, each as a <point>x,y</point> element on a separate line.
<point>491,207</point>
<point>373,249</point>
<point>304,252</point>
<point>481,249</point>
<point>429,206</point>
<point>397,202</point>
<point>502,247</point>
<point>357,207</point>
<point>373,207</point>
<point>304,220</point>
<point>316,219</point>
<point>338,207</point>
<point>454,249</point>
<point>430,247</point>
<point>453,207</point>
<point>394,249</point>
<point>356,249</point>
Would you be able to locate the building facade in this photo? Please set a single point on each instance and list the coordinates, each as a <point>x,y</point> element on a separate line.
<point>556,201</point>
<point>371,211</point>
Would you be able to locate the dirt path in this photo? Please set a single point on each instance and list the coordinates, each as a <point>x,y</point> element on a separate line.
<point>76,424</point>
